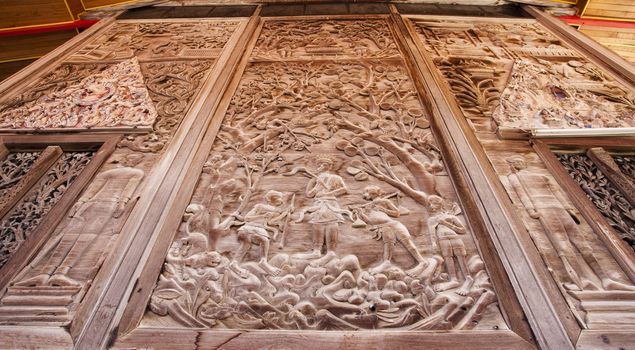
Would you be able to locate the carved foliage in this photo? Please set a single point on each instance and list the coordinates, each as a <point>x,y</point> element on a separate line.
<point>524,77</point>
<point>25,217</point>
<point>627,165</point>
<point>115,97</point>
<point>13,168</point>
<point>608,199</point>
<point>160,39</point>
<point>325,39</point>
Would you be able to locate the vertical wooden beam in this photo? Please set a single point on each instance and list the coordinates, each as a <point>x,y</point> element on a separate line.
<point>553,326</point>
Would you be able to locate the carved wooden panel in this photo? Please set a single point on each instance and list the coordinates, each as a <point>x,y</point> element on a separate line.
<point>324,203</point>
<point>523,76</point>
<point>608,199</point>
<point>16,226</point>
<point>514,74</point>
<point>199,38</point>
<point>156,76</point>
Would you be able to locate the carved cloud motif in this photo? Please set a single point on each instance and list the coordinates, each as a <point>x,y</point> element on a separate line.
<point>114,98</point>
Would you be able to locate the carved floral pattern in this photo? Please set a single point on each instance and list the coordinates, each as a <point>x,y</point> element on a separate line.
<point>115,97</point>
<point>627,165</point>
<point>13,167</point>
<point>25,217</point>
<point>161,39</point>
<point>608,199</point>
<point>524,77</point>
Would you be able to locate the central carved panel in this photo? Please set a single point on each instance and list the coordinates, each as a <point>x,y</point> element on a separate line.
<point>324,203</point>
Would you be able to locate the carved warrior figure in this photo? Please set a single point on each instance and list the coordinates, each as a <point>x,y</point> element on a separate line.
<point>326,214</point>
<point>544,202</point>
<point>259,221</point>
<point>90,223</point>
<point>445,228</point>
<point>380,213</point>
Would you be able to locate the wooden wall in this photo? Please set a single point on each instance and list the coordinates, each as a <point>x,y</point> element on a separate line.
<point>620,40</point>
<point>607,9</point>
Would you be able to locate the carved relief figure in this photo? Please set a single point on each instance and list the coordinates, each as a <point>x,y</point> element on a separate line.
<point>259,222</point>
<point>325,214</point>
<point>90,223</point>
<point>445,230</point>
<point>379,213</point>
<point>544,202</point>
<point>291,119</point>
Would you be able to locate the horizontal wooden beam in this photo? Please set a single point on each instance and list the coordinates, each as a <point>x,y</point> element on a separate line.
<point>82,23</point>
<point>597,22</point>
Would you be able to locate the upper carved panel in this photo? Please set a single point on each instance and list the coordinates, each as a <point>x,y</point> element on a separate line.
<point>324,205</point>
<point>186,39</point>
<point>315,39</point>
<point>524,77</point>
<point>113,98</point>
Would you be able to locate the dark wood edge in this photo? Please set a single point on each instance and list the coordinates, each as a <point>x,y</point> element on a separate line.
<point>598,54</point>
<point>550,318</point>
<point>40,235</point>
<point>617,143</point>
<point>508,303</point>
<point>170,338</point>
<point>145,283</point>
<point>620,251</point>
<point>4,151</point>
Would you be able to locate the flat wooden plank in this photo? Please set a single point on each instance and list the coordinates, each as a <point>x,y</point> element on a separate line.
<point>190,339</point>
<point>17,337</point>
<point>34,45</point>
<point>606,339</point>
<point>17,13</point>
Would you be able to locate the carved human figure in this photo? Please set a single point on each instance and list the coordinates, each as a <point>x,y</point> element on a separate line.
<point>259,221</point>
<point>380,213</point>
<point>544,202</point>
<point>445,230</point>
<point>91,221</point>
<point>325,214</point>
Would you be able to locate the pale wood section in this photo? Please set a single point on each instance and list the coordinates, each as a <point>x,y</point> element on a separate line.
<point>17,337</point>
<point>620,40</point>
<point>606,340</point>
<point>17,13</point>
<point>189,339</point>
<point>614,9</point>
<point>44,161</point>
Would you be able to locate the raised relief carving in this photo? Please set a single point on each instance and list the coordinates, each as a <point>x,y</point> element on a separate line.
<point>59,274</point>
<point>12,168</point>
<point>316,207</point>
<point>311,39</point>
<point>113,98</point>
<point>189,39</point>
<point>524,77</point>
<point>17,225</point>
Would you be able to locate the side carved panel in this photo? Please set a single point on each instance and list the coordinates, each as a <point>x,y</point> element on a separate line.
<point>16,226</point>
<point>523,76</point>
<point>324,204</point>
